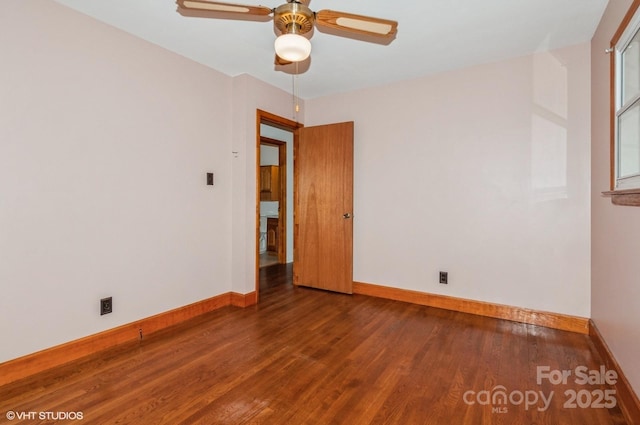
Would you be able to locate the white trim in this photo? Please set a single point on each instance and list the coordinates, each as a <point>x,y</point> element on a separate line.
<point>633,27</point>
<point>629,32</point>
<point>631,182</point>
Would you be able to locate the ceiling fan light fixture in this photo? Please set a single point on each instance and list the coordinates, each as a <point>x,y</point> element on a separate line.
<point>293,47</point>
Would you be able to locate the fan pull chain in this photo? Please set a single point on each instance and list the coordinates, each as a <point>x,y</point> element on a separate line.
<point>294,92</point>
<point>293,97</point>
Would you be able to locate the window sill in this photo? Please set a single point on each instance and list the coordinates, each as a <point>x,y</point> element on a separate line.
<point>628,197</point>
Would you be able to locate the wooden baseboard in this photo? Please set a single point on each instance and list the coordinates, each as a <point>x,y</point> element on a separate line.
<point>244,300</point>
<point>30,364</point>
<point>498,311</point>
<point>626,397</point>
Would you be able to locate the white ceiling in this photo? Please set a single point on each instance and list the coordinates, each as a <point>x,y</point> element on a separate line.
<point>433,36</point>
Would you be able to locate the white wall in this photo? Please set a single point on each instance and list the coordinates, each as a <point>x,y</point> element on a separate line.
<point>105,141</point>
<point>268,154</point>
<point>615,287</point>
<point>481,172</point>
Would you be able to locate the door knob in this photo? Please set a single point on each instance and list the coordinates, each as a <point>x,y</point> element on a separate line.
<point>346,215</point>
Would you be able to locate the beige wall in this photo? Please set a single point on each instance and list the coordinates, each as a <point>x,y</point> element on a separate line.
<point>105,141</point>
<point>615,286</point>
<point>482,172</point>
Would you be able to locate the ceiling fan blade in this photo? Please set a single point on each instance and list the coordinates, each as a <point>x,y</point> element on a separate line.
<point>356,23</point>
<point>214,6</point>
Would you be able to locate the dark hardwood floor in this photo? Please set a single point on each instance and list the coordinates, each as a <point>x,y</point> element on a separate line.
<point>303,356</point>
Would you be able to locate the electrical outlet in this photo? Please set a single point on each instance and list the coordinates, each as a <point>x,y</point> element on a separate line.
<point>106,306</point>
<point>444,277</point>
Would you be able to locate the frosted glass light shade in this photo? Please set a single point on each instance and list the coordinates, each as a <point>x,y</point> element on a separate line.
<point>293,47</point>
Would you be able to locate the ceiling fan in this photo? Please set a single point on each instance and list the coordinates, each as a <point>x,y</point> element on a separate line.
<point>293,20</point>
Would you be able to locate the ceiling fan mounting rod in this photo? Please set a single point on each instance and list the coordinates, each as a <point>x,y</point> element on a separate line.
<point>293,28</point>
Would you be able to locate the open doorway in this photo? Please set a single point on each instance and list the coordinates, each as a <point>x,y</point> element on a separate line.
<point>272,242</point>
<point>323,203</point>
<point>274,194</point>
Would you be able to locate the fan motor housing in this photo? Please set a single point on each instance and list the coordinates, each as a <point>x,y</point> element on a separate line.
<point>294,18</point>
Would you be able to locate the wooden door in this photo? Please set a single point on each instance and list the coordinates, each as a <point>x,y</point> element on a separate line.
<point>323,218</point>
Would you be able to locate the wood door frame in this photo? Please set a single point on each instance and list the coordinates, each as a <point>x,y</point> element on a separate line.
<point>267,118</point>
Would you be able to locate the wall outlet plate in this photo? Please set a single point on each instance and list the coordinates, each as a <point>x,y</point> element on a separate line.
<point>444,277</point>
<point>106,306</point>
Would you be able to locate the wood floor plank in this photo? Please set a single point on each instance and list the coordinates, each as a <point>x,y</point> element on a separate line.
<point>303,356</point>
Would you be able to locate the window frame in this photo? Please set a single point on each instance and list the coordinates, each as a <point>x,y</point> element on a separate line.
<point>625,33</point>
